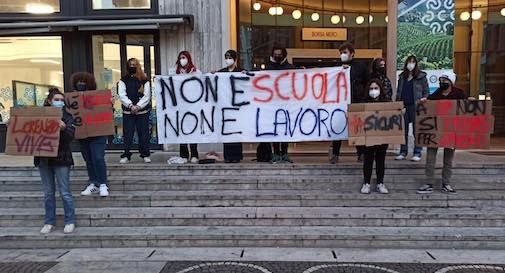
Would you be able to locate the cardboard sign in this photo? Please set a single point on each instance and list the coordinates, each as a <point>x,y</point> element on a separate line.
<point>460,124</point>
<point>34,131</point>
<point>376,123</point>
<point>267,106</point>
<point>92,113</point>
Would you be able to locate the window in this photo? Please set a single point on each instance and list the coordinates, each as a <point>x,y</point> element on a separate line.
<point>121,4</point>
<point>30,6</point>
<point>29,66</point>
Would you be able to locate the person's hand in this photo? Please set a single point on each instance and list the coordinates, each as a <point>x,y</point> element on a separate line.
<point>471,98</point>
<point>423,100</point>
<point>62,125</point>
<point>135,109</point>
<point>404,110</point>
<point>345,66</point>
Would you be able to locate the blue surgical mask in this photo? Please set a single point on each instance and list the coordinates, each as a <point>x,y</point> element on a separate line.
<point>80,86</point>
<point>58,104</point>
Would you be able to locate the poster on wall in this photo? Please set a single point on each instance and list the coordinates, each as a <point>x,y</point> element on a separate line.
<point>426,30</point>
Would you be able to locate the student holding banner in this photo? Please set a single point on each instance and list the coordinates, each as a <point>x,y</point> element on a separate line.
<point>184,65</point>
<point>232,151</point>
<point>92,148</point>
<point>135,94</point>
<point>57,169</point>
<point>447,91</point>
<point>412,87</point>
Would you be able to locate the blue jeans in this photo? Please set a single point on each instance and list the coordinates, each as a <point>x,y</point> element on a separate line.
<point>93,152</point>
<point>410,117</point>
<point>61,174</point>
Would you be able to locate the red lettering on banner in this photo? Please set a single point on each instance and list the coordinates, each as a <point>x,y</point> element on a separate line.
<point>444,107</point>
<point>98,118</point>
<point>355,124</point>
<point>305,86</point>
<point>263,88</point>
<point>36,126</point>
<point>90,102</point>
<point>342,84</point>
<point>446,140</point>
<point>276,84</point>
<point>324,81</point>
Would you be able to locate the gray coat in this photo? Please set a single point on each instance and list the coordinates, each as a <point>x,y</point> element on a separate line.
<point>421,89</point>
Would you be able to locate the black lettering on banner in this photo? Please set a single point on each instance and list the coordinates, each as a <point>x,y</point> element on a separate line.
<point>421,109</point>
<point>175,129</point>
<point>426,139</point>
<point>382,123</point>
<point>427,124</point>
<point>183,122</point>
<point>331,121</point>
<point>235,91</point>
<point>211,88</point>
<point>396,120</point>
<point>171,91</point>
<point>258,134</point>
<point>322,121</point>
<point>204,120</point>
<point>225,120</point>
<point>194,78</point>
<point>470,107</point>
<point>316,121</point>
<point>284,122</point>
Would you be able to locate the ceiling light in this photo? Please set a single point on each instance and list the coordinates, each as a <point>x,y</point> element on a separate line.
<point>44,61</point>
<point>279,10</point>
<point>275,11</point>
<point>502,12</point>
<point>464,16</point>
<point>39,8</point>
<point>315,17</point>
<point>256,6</point>
<point>343,19</point>
<point>296,14</point>
<point>386,18</point>
<point>335,19</point>
<point>360,20</point>
<point>476,14</point>
<point>370,18</point>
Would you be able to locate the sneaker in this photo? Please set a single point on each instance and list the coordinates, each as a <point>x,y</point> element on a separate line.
<point>276,158</point>
<point>416,158</point>
<point>147,159</point>
<point>427,188</point>
<point>104,190</point>
<point>365,189</point>
<point>90,189</point>
<point>446,188</point>
<point>124,160</point>
<point>194,160</point>
<point>286,159</point>
<point>400,157</point>
<point>177,160</point>
<point>334,159</point>
<point>69,228</point>
<point>382,189</point>
<point>46,229</point>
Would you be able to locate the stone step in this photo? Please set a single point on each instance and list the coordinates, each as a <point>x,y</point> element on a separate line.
<point>265,198</point>
<point>264,216</point>
<point>240,236</point>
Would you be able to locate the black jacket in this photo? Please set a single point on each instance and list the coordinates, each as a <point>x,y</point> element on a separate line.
<point>279,66</point>
<point>456,94</point>
<point>359,79</point>
<point>64,157</point>
<point>225,69</point>
<point>386,83</point>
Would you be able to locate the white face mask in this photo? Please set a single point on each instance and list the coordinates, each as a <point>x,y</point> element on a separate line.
<point>344,57</point>
<point>183,62</point>
<point>229,62</point>
<point>411,66</point>
<point>374,92</point>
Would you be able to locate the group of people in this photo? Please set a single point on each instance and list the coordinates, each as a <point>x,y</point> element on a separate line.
<point>367,86</point>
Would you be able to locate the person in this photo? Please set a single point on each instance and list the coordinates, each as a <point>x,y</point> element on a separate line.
<point>359,79</point>
<point>446,91</point>
<point>57,169</point>
<point>279,61</point>
<point>232,152</point>
<point>184,65</point>
<point>379,72</point>
<point>92,148</point>
<point>377,153</point>
<point>412,86</point>
<point>135,94</point>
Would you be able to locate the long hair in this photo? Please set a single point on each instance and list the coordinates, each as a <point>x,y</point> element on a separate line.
<point>140,75</point>
<point>53,91</point>
<point>85,77</point>
<point>190,67</point>
<point>375,66</point>
<point>382,96</point>
<point>416,70</point>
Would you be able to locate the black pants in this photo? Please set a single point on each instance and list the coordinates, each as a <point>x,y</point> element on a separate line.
<point>280,148</point>
<point>184,153</point>
<point>141,124</point>
<point>337,144</point>
<point>232,151</point>
<point>377,153</point>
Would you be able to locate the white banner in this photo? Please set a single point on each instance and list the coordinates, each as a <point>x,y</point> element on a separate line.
<point>267,106</point>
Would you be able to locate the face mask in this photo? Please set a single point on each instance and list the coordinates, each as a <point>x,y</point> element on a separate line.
<point>444,85</point>
<point>381,70</point>
<point>278,59</point>
<point>374,92</point>
<point>344,57</point>
<point>132,70</point>
<point>229,62</point>
<point>183,62</point>
<point>411,66</point>
<point>80,86</point>
<point>58,103</point>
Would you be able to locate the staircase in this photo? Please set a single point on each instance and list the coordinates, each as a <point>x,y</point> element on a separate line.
<point>261,205</point>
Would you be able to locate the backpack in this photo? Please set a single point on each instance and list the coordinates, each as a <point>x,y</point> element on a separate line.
<point>264,152</point>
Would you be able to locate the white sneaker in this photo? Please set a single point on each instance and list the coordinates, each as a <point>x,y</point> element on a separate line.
<point>194,160</point>
<point>90,189</point>
<point>400,157</point>
<point>147,159</point>
<point>104,190</point>
<point>46,229</point>
<point>416,158</point>
<point>69,228</point>
<point>382,189</point>
<point>365,189</point>
<point>124,160</point>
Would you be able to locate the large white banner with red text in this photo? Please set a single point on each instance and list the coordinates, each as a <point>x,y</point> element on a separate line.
<point>262,106</point>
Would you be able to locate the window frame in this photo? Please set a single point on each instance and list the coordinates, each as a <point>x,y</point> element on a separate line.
<point>62,6</point>
<point>154,9</point>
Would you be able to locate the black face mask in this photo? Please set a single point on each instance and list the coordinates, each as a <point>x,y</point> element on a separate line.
<point>381,70</point>
<point>80,86</point>
<point>278,59</point>
<point>444,85</point>
<point>132,70</point>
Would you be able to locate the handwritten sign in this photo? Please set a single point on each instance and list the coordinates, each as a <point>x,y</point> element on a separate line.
<point>92,113</point>
<point>459,124</point>
<point>34,131</point>
<point>376,123</point>
<point>285,106</point>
